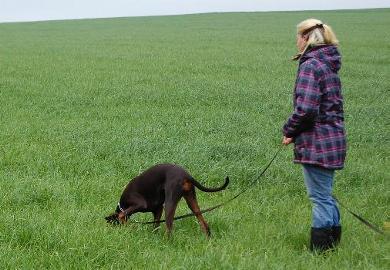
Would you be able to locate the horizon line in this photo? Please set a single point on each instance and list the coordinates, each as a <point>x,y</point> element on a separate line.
<point>185,14</point>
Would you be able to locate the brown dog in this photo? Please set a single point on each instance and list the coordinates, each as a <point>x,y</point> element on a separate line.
<point>161,186</point>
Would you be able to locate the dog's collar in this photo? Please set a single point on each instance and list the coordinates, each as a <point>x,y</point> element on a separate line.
<point>120,208</point>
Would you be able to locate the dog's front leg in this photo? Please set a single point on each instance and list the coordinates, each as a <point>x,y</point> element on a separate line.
<point>137,204</point>
<point>157,216</point>
<point>122,216</point>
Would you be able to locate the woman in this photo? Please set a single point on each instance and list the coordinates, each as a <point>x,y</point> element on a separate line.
<point>317,127</point>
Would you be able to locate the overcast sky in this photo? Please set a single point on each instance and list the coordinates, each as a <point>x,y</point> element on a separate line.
<point>34,10</point>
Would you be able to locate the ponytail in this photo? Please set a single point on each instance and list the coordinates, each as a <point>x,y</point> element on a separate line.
<point>329,36</point>
<point>318,32</point>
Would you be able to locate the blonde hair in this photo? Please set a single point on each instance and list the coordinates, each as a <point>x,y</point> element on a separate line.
<point>318,33</point>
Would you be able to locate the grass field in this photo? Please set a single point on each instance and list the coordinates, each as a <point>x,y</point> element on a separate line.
<point>88,104</point>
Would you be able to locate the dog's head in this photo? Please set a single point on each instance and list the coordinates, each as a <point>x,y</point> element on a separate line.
<point>113,218</point>
<point>116,218</point>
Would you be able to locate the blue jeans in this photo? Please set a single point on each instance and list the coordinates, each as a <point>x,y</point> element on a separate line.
<point>319,183</point>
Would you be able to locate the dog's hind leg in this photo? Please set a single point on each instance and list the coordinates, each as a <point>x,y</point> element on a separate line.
<point>190,198</point>
<point>172,198</point>
<point>170,209</point>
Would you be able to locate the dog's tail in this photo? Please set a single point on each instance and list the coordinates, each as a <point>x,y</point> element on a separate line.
<point>205,189</point>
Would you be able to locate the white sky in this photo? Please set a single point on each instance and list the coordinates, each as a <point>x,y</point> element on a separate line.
<point>35,10</point>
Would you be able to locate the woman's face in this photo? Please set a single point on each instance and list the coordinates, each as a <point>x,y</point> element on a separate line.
<point>301,42</point>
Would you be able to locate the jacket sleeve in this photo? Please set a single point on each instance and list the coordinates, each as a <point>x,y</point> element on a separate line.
<point>307,99</point>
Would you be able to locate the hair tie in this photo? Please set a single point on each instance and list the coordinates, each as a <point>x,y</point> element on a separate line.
<point>318,25</point>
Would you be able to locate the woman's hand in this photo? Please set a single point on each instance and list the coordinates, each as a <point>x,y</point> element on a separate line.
<point>287,141</point>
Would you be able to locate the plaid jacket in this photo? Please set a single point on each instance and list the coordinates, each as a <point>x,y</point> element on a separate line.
<point>317,123</point>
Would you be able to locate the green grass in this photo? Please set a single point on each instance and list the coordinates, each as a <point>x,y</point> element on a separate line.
<point>88,104</point>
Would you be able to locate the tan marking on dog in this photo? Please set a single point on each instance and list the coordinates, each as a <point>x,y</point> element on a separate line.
<point>122,218</point>
<point>187,185</point>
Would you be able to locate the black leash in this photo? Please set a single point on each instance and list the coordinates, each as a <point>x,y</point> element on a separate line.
<point>362,220</point>
<point>221,204</point>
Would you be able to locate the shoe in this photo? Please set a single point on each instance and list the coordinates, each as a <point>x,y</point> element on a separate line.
<point>323,239</point>
<point>336,235</point>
